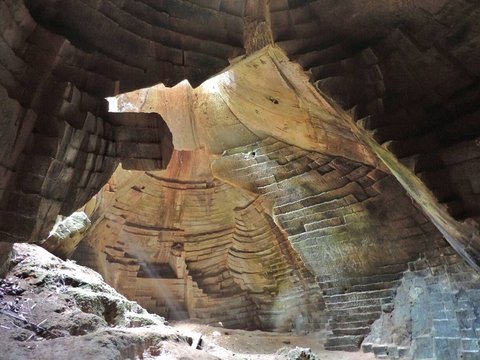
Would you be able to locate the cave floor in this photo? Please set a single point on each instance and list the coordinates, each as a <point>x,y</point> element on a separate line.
<point>261,345</point>
<point>54,310</point>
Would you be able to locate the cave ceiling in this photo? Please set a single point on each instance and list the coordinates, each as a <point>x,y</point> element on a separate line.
<point>272,152</point>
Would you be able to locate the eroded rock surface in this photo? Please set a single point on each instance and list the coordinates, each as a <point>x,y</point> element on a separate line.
<point>59,310</point>
<point>55,309</point>
<point>184,244</point>
<point>434,315</point>
<point>66,234</point>
<point>303,179</point>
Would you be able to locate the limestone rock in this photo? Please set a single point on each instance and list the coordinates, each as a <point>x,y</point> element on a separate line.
<point>214,248</point>
<point>66,311</point>
<point>66,234</point>
<point>285,159</point>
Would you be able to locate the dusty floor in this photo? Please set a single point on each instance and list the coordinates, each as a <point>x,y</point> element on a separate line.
<point>56,310</point>
<point>241,344</point>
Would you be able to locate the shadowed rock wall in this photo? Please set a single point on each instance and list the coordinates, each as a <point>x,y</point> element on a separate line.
<point>409,72</point>
<point>58,143</point>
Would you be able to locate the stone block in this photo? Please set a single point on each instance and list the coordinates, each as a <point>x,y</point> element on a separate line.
<point>445,328</point>
<point>464,318</point>
<point>469,355</point>
<point>379,350</point>
<point>423,348</point>
<point>451,315</point>
<point>470,344</point>
<point>367,347</point>
<point>468,333</point>
<point>438,314</point>
<point>403,351</point>
<point>447,348</point>
<point>392,351</point>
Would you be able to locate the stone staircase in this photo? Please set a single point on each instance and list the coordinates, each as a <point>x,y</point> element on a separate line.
<point>165,297</point>
<point>441,297</point>
<point>233,312</point>
<point>353,304</point>
<point>351,316</point>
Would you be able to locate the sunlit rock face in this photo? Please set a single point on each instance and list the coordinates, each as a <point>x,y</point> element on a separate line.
<point>285,164</point>
<point>187,245</point>
<point>58,309</point>
<point>66,234</point>
<point>344,217</point>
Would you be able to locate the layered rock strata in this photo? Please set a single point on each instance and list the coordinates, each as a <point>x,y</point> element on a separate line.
<point>187,245</point>
<point>349,220</point>
<point>369,145</point>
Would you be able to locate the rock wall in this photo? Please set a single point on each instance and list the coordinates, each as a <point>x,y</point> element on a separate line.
<point>391,64</point>
<point>404,74</point>
<point>58,144</point>
<point>434,314</point>
<point>302,205</point>
<point>185,244</point>
<point>54,309</point>
<point>352,225</point>
<point>66,234</point>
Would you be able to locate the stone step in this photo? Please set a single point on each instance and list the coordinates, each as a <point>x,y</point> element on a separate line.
<point>343,340</point>
<point>354,296</point>
<point>360,303</point>
<point>371,316</point>
<point>364,280</point>
<point>380,350</point>
<point>356,310</point>
<point>377,286</point>
<point>392,268</point>
<point>344,343</point>
<point>364,330</point>
<point>334,325</point>
<point>349,348</point>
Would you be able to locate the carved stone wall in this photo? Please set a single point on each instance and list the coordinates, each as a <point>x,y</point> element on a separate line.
<point>301,187</point>
<point>184,244</point>
<point>58,143</point>
<point>405,74</point>
<point>353,225</point>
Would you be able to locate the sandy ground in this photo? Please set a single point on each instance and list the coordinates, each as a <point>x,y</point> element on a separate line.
<point>260,345</point>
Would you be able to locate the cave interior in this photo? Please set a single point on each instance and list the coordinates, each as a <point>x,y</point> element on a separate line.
<point>305,166</point>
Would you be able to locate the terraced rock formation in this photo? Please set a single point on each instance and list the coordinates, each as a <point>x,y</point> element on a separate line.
<point>286,164</point>
<point>186,245</point>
